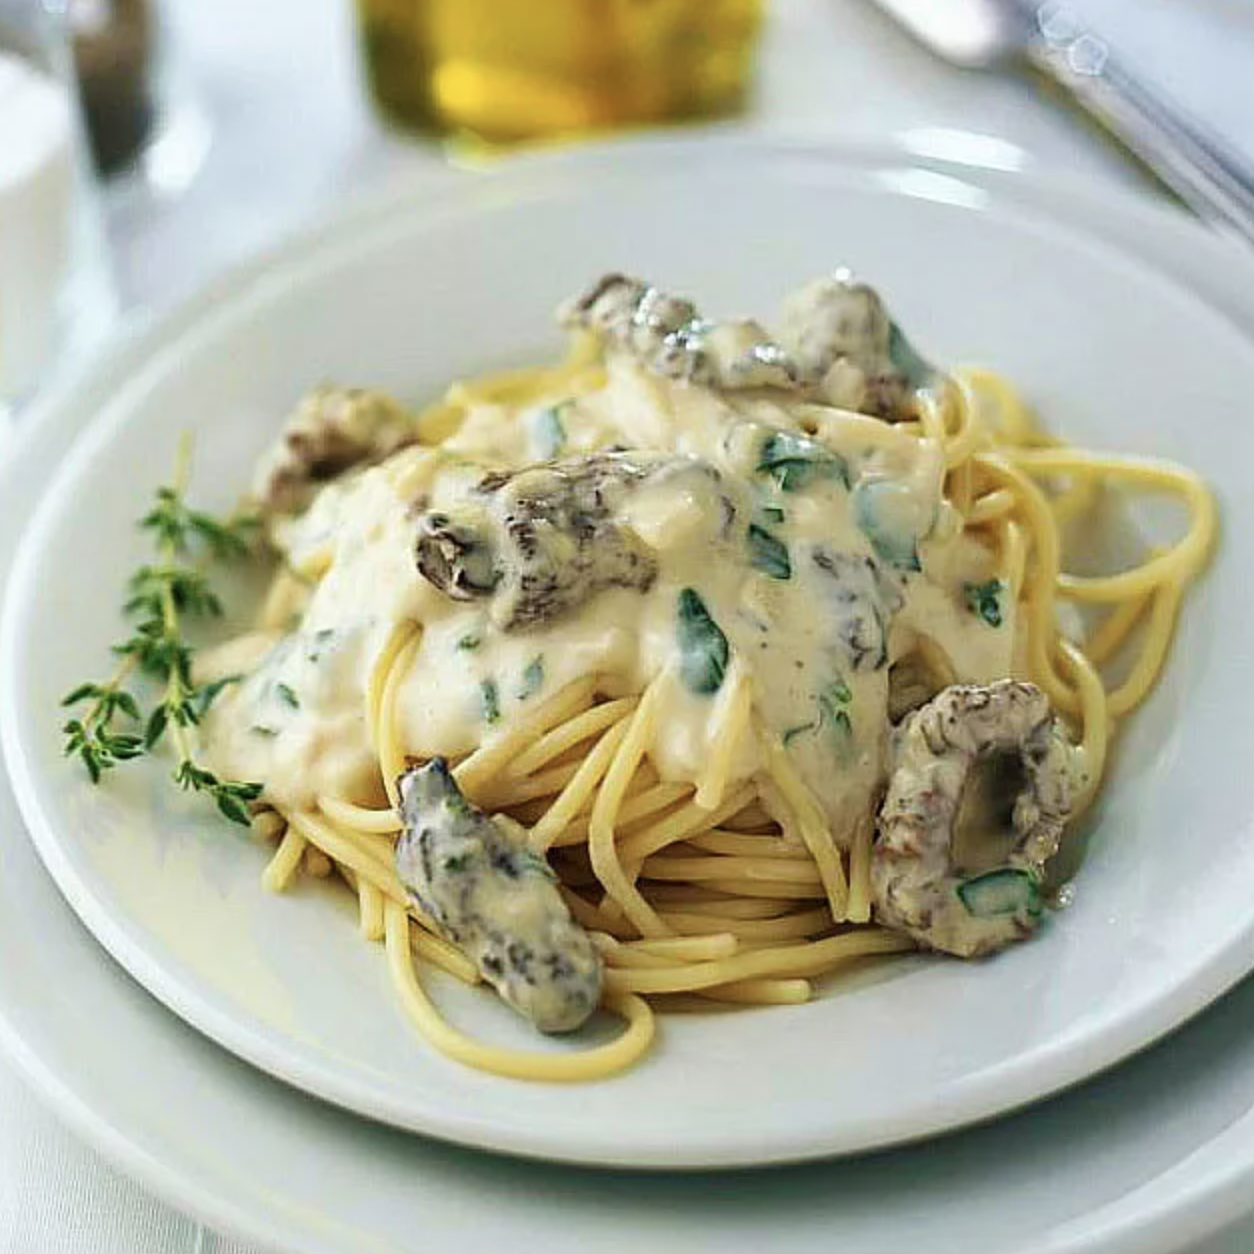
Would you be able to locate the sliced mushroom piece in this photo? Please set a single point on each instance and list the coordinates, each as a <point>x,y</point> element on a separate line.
<point>456,555</point>
<point>845,344</point>
<point>917,676</point>
<point>667,335</point>
<point>560,543</point>
<point>544,539</point>
<point>1003,743</point>
<point>495,900</point>
<point>332,430</point>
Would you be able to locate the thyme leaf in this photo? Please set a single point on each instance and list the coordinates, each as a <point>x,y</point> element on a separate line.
<point>112,726</point>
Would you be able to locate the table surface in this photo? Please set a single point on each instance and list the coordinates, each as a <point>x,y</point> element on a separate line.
<point>274,91</point>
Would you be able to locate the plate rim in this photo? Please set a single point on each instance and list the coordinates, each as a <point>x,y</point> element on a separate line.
<point>1201,1210</point>
<point>145,344</point>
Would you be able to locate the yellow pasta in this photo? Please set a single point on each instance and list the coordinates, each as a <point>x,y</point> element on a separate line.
<point>585,1065</point>
<point>714,875</point>
<point>283,865</point>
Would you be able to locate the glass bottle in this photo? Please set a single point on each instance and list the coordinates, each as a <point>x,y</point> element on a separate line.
<point>510,70</point>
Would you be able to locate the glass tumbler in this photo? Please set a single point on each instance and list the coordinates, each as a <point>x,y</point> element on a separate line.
<point>56,297</point>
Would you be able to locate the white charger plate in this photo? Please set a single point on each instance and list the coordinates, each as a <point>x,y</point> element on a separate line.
<point>1114,345</point>
<point>1140,1162</point>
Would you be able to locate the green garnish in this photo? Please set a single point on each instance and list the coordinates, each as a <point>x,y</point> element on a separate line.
<point>916,371</point>
<point>549,432</point>
<point>703,649</point>
<point>470,641</point>
<point>795,461</point>
<point>836,692</point>
<point>984,599</point>
<point>1007,890</point>
<point>832,716</point>
<point>490,701</point>
<point>287,696</point>
<point>92,737</point>
<point>873,512</point>
<point>321,642</point>
<point>841,727</point>
<point>772,513</point>
<point>532,679</point>
<point>162,597</point>
<point>768,554</point>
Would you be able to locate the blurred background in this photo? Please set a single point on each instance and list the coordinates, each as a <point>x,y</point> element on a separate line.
<point>216,127</point>
<point>302,98</point>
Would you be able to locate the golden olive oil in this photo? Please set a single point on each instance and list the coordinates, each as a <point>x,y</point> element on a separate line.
<point>510,70</point>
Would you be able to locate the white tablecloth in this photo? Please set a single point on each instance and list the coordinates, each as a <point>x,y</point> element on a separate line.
<point>279,86</point>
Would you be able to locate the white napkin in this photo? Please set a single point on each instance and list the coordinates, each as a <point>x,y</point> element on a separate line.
<point>58,1197</point>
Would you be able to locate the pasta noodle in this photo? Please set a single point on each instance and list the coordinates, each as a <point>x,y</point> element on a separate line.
<point>728,885</point>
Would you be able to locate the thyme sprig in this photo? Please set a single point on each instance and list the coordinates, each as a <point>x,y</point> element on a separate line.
<point>161,598</point>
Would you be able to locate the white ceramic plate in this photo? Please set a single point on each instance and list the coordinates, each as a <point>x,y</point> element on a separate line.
<point>1110,343</point>
<point>1142,1162</point>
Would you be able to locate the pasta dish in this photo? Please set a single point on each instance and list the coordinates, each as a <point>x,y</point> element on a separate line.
<point>692,669</point>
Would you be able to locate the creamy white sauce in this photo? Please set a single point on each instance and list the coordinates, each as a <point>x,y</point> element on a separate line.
<point>808,642</point>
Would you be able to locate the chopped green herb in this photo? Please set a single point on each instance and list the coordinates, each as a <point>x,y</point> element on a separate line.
<point>268,733</point>
<point>529,860</point>
<point>287,696</point>
<point>832,716</point>
<point>321,641</point>
<point>469,642</point>
<point>1007,890</point>
<point>984,599</point>
<point>455,862</point>
<point>490,701</point>
<point>873,511</point>
<point>795,461</point>
<point>772,513</point>
<point>703,649</point>
<point>532,679</point>
<point>768,554</point>
<point>548,431</point>
<point>837,693</point>
<point>917,372</point>
<point>841,727</point>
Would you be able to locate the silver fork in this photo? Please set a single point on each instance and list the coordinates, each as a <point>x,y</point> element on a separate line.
<point>1212,179</point>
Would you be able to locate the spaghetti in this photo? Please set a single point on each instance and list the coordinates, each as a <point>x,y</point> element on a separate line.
<point>710,825</point>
